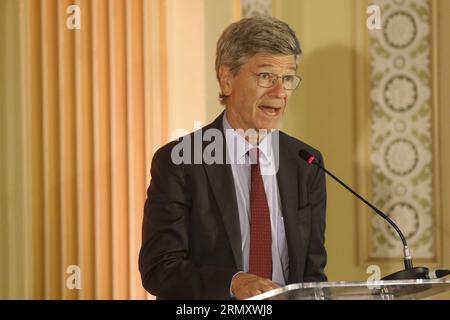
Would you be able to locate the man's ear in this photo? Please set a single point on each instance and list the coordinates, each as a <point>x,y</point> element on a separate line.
<point>225,80</point>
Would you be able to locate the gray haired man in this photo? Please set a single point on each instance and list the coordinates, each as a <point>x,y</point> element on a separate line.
<point>226,229</point>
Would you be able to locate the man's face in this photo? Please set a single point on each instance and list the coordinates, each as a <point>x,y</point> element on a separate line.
<point>250,106</point>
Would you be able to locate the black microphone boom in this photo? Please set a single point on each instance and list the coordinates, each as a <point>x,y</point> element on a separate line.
<point>410,272</point>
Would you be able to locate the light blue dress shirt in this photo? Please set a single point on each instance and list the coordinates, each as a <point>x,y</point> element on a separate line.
<point>238,153</point>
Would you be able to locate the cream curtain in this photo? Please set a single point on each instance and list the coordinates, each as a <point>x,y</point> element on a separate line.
<point>82,112</point>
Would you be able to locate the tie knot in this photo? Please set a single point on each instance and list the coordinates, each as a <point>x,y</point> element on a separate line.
<point>254,155</point>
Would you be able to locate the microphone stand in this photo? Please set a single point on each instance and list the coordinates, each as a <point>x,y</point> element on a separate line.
<point>410,272</point>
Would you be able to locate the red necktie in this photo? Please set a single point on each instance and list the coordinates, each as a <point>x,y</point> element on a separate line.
<point>260,231</point>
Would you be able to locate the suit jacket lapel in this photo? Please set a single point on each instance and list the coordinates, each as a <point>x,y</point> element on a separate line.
<point>221,181</point>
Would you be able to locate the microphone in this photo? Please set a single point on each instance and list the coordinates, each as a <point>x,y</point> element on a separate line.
<point>410,272</point>
<point>436,274</point>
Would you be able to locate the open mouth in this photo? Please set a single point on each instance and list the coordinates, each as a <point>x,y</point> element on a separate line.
<point>270,111</point>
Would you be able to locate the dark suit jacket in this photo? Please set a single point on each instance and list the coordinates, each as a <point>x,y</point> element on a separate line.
<point>191,239</point>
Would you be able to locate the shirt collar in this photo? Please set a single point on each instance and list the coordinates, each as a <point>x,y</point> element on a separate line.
<point>238,147</point>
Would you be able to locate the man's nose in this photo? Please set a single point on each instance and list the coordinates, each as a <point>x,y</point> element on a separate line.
<point>278,89</point>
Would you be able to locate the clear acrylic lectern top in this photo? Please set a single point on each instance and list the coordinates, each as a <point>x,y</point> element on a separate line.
<point>372,290</point>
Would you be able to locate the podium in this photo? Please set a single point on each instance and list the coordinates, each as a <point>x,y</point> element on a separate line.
<point>371,290</point>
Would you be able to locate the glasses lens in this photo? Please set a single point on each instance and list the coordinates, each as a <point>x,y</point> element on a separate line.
<point>291,82</point>
<point>266,80</point>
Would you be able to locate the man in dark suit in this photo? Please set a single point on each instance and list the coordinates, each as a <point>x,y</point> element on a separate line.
<point>239,213</point>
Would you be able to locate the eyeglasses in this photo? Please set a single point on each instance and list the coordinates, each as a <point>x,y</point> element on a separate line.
<point>269,80</point>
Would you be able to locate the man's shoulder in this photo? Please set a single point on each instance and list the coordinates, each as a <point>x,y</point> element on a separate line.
<point>296,145</point>
<point>166,149</point>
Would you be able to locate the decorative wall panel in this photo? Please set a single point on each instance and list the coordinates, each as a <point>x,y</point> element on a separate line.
<point>251,8</point>
<point>401,129</point>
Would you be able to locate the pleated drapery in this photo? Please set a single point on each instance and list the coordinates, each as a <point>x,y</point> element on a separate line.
<point>90,111</point>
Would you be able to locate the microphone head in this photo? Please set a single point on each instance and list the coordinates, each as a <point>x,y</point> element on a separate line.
<point>308,157</point>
